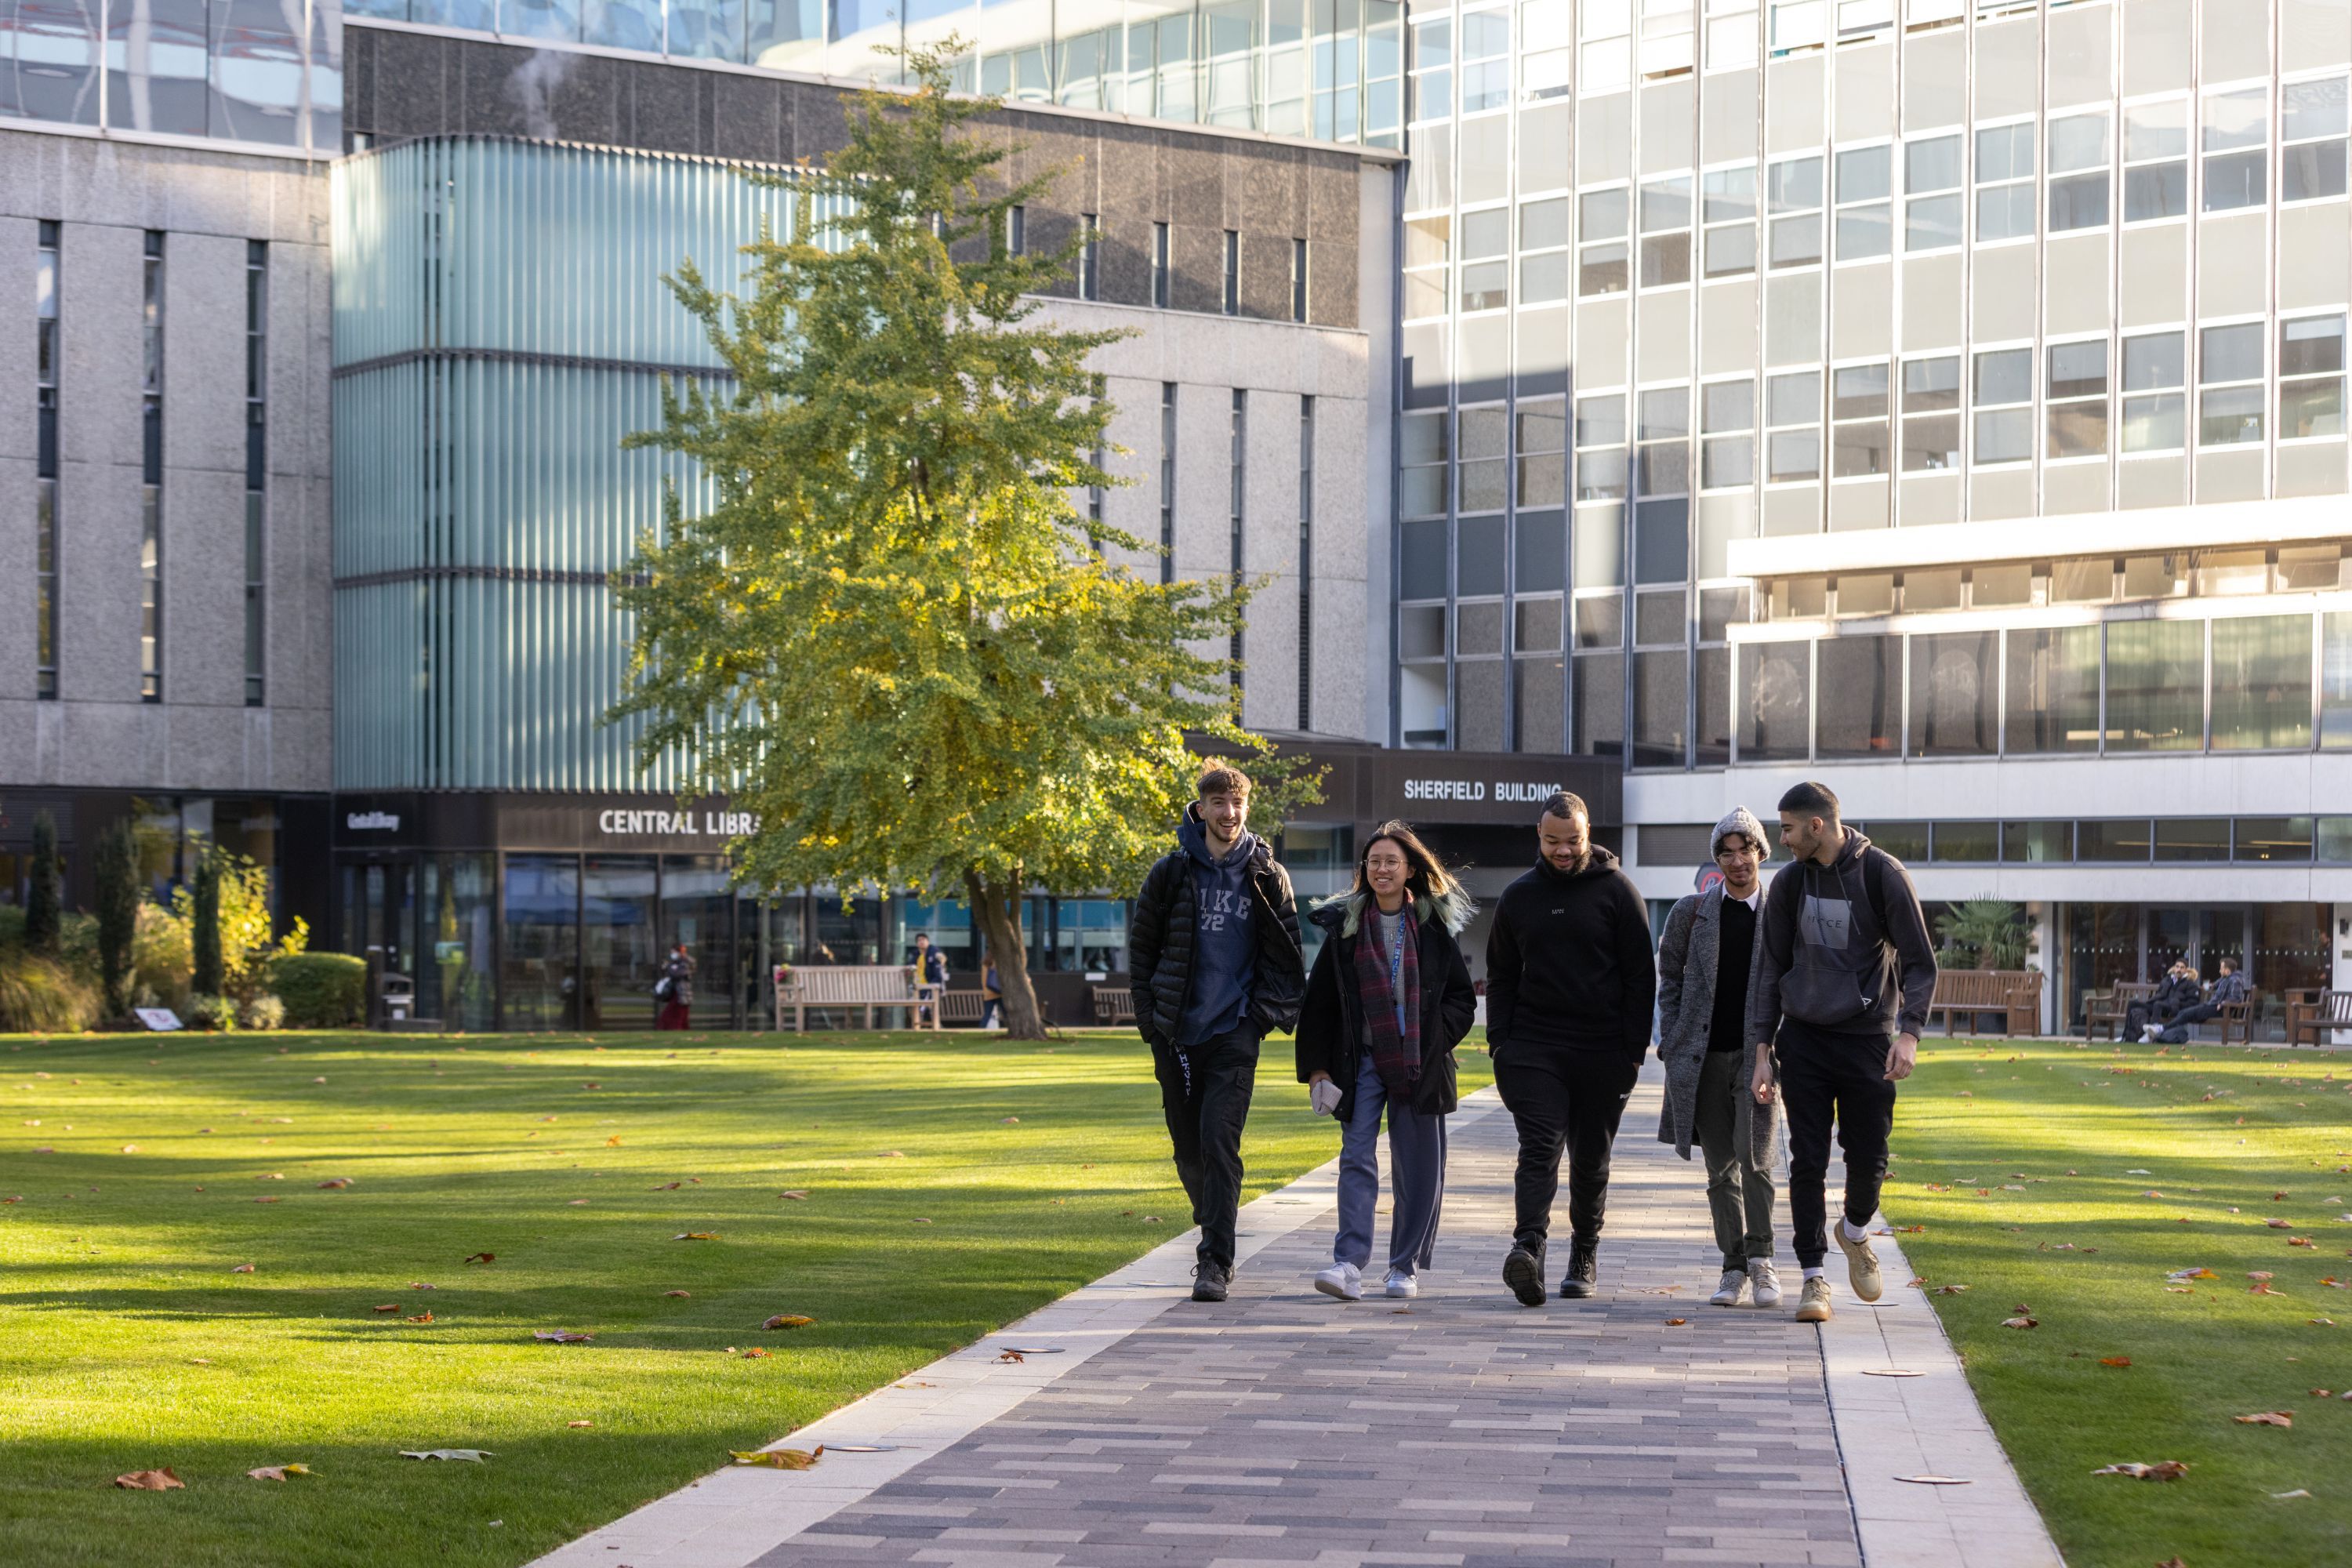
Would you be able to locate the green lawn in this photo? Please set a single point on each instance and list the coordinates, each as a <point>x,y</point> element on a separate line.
<point>952,1185</point>
<point>2065,1183</point>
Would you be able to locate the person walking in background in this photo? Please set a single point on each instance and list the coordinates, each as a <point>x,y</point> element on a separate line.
<point>992,995</point>
<point>2228,986</point>
<point>930,967</point>
<point>1841,990</point>
<point>675,989</point>
<point>1570,984</point>
<point>1388,1000</point>
<point>1706,958</point>
<point>1215,958</point>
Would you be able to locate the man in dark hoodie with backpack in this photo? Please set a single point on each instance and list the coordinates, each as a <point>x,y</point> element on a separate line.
<point>1215,962</point>
<point>1845,976</point>
<point>1571,983</point>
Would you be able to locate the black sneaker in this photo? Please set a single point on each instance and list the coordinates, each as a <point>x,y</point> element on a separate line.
<point>1578,1283</point>
<point>1209,1282</point>
<point>1523,1271</point>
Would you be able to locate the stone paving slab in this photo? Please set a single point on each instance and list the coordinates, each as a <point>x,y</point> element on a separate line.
<point>1283,1428</point>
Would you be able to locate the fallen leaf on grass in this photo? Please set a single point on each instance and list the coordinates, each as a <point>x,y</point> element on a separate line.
<point>696,1235</point>
<point>2267,1418</point>
<point>271,1176</point>
<point>796,1197</point>
<point>560,1336</point>
<point>334,1183</point>
<point>242,1269</point>
<point>755,1353</point>
<point>579,1423</point>
<point>279,1472</point>
<point>1011,1120</point>
<point>787,1321</point>
<point>2279,1224</point>
<point>389,1307</point>
<point>2299,1241</point>
<point>420,1285</point>
<point>1951,1289</point>
<point>668,1188</point>
<point>162,1480</point>
<point>483,1257</point>
<point>894,1153</point>
<point>2297,1493</point>
<point>2115,1361</point>
<point>779,1458</point>
<point>922,1222</point>
<point>420,1318</point>
<point>268,1200</point>
<point>2021,1322</point>
<point>2261,1287</point>
<point>613,1142</point>
<point>2179,1273</point>
<point>577,1203</point>
<point>2162,1470</point>
<point>2323,1322</point>
<point>678,1293</point>
<point>471,1456</point>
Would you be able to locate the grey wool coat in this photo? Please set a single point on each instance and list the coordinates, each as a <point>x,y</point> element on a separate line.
<point>1687,970</point>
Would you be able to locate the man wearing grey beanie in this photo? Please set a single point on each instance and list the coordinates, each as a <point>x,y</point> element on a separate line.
<point>1706,959</point>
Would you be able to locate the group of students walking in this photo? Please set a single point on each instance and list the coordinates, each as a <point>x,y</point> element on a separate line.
<point>1803,1001</point>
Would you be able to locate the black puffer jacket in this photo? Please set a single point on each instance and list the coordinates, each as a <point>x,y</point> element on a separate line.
<point>1160,938</point>
<point>1331,1024</point>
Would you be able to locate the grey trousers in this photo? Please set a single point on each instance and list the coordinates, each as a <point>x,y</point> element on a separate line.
<point>1738,1195</point>
<point>1416,1178</point>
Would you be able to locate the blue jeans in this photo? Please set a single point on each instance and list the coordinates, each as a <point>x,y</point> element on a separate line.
<point>1416,1178</point>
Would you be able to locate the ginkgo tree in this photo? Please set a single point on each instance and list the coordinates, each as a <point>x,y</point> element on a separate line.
<point>890,633</point>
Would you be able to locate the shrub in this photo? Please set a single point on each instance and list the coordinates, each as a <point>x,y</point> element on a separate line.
<point>321,990</point>
<point>162,958</point>
<point>40,996</point>
<point>43,906</point>
<point>117,868</point>
<point>265,1012</point>
<point>212,1012</point>
<point>204,923</point>
<point>240,920</point>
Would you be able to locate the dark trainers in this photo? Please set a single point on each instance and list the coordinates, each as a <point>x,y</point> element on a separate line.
<point>1577,1283</point>
<point>1523,1271</point>
<point>1209,1282</point>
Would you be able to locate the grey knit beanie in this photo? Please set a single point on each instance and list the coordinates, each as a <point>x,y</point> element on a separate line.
<point>1739,819</point>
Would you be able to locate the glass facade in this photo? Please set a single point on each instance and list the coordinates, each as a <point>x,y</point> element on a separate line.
<point>265,73</point>
<point>1330,69</point>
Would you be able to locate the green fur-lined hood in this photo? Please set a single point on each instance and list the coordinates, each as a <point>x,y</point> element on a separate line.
<point>1344,912</point>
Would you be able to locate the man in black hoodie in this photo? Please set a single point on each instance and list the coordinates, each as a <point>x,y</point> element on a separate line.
<point>1571,983</point>
<point>1842,992</point>
<point>1215,958</point>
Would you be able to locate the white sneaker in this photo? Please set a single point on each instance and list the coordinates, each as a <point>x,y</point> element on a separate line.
<point>1344,1280</point>
<point>1400,1285</point>
<point>1730,1288</point>
<point>1766,1281</point>
<point>2148,1036</point>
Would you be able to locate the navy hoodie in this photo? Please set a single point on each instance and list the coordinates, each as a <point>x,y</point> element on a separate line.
<point>1224,947</point>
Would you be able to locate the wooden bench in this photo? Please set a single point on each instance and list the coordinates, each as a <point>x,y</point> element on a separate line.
<point>1114,1003</point>
<point>2237,1019</point>
<point>961,1007</point>
<point>2104,1012</point>
<point>2014,994</point>
<point>861,987</point>
<point>2310,1022</point>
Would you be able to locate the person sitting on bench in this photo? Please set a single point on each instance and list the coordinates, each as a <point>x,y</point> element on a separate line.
<point>2228,986</point>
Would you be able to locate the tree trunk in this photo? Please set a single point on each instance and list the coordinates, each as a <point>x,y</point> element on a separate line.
<point>998,905</point>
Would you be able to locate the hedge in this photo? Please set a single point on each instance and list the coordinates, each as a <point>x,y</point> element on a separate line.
<point>321,990</point>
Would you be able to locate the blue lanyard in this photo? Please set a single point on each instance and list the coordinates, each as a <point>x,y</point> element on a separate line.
<point>1396,961</point>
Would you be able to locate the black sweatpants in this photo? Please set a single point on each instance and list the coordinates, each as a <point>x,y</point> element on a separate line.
<point>1562,1100</point>
<point>1828,1077</point>
<point>1205,1091</point>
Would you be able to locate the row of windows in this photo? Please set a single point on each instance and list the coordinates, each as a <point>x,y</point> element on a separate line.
<point>1088,281</point>
<point>2250,840</point>
<point>2235,572</point>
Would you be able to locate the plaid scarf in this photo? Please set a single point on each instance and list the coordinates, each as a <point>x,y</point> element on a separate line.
<point>1390,985</point>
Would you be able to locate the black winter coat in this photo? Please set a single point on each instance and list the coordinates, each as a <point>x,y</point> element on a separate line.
<point>1159,942</point>
<point>1331,1024</point>
<point>1569,963</point>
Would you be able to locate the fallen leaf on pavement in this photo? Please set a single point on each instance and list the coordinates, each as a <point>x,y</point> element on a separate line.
<point>1676,1322</point>
<point>483,1257</point>
<point>787,1321</point>
<point>559,1336</point>
<point>472,1456</point>
<point>1011,1355</point>
<point>162,1480</point>
<point>2267,1418</point>
<point>279,1472</point>
<point>779,1458</point>
<point>2162,1470</point>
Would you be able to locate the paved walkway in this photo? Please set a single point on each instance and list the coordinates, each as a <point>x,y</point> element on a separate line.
<point>1284,1428</point>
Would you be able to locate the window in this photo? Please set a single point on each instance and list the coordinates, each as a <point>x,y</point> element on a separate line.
<point>2230,384</point>
<point>1433,73</point>
<point>1731,38</point>
<point>47,355</point>
<point>1729,211</point>
<point>1543,256</point>
<point>1159,265</point>
<point>1089,256</point>
<point>2155,402</point>
<point>2053,690</point>
<point>1542,453</point>
<point>1298,279</point>
<point>1600,448</point>
<point>1547,46</point>
<point>1486,259</point>
<point>1665,453</point>
<point>1236,497</point>
<point>1955,690</point>
<point>1865,220</point>
<point>1428,246</point>
<point>1665,232</point>
<point>1774,699</point>
<point>1793,412</point>
<point>1859,443</point>
<point>2237,126</point>
<point>1728,430</point>
<point>2004,406</point>
<point>1607,27</point>
<point>1601,261</point>
<point>1486,60</point>
<point>1796,25</point>
<point>2156,160</point>
<point>2005,183</point>
<point>1306,562</point>
<point>1931,414</point>
<point>2311,134</point>
<point>1423,465</point>
<point>2076,400</point>
<point>1480,450</point>
<point>2078,172</point>
<point>256,554</point>
<point>2261,683</point>
<point>1016,230</point>
<point>2311,377</point>
<point>151,497</point>
<point>2155,686</point>
<point>1932,212</point>
<point>1795,189</point>
<point>1232,295</point>
<point>1167,481</point>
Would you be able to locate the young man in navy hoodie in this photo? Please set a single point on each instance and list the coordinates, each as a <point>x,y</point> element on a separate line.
<point>1215,958</point>
<point>1571,983</point>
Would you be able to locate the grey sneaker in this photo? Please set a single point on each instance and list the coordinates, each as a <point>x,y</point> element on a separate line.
<point>1344,1280</point>
<point>1400,1285</point>
<point>1730,1288</point>
<point>1861,1263</point>
<point>1814,1304</point>
<point>1766,1281</point>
